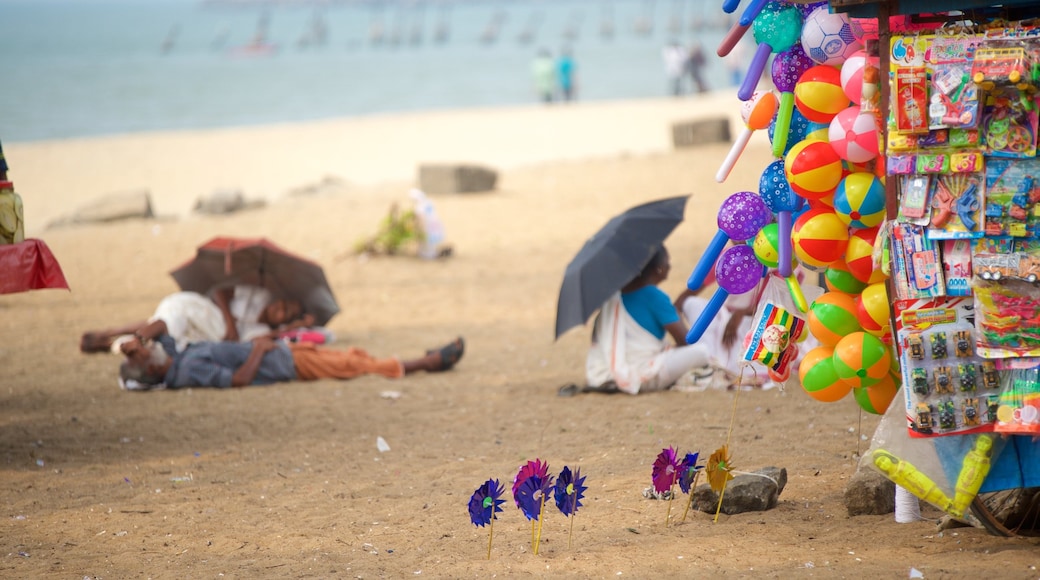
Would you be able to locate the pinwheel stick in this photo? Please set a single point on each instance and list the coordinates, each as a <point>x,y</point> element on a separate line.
<point>541,513</point>
<point>693,486</point>
<point>574,513</point>
<point>719,508</point>
<point>668,514</point>
<point>491,532</point>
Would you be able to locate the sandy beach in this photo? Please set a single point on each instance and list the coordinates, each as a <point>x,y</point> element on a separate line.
<point>287,481</point>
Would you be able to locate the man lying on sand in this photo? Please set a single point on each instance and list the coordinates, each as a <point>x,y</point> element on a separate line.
<point>235,313</point>
<point>158,364</point>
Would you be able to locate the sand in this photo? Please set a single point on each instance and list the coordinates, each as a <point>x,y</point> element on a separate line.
<point>287,480</point>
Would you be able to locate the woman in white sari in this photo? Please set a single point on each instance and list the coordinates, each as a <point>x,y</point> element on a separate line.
<point>630,351</point>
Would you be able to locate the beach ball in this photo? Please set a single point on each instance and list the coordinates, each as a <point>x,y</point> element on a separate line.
<point>813,168</point>
<point>819,237</point>
<point>819,378</point>
<point>861,359</point>
<point>827,38</point>
<point>854,135</point>
<point>872,309</point>
<point>859,200</point>
<point>818,94</point>
<point>876,398</point>
<point>852,74</point>
<point>838,279</point>
<point>767,245</point>
<point>832,316</point>
<point>859,255</point>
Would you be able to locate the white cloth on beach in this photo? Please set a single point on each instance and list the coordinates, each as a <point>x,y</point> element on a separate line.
<point>637,361</point>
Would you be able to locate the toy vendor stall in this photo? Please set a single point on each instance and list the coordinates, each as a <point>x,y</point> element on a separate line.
<point>24,264</point>
<point>906,174</point>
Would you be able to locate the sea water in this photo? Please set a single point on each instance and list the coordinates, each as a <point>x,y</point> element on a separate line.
<point>75,68</point>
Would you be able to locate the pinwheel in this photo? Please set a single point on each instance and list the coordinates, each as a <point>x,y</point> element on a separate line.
<point>570,488</point>
<point>535,467</point>
<point>719,473</point>
<point>483,506</point>
<point>665,473</point>
<point>530,496</point>
<point>688,473</point>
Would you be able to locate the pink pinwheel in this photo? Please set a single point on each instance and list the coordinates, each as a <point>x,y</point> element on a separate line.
<point>667,470</point>
<point>535,467</point>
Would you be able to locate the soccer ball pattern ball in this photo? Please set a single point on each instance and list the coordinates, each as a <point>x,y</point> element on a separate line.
<point>827,38</point>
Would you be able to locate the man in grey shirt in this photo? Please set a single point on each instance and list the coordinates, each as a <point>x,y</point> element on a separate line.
<point>158,364</point>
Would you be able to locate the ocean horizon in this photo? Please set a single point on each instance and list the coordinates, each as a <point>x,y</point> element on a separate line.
<point>86,68</point>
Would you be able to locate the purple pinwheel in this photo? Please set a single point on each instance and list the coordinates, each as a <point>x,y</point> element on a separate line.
<point>570,489</point>
<point>532,495</point>
<point>688,469</point>
<point>666,470</point>
<point>485,503</point>
<point>531,468</point>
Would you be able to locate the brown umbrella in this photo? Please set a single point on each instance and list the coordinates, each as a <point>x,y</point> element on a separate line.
<point>259,262</point>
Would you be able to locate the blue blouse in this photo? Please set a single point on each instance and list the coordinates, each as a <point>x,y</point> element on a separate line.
<point>651,308</point>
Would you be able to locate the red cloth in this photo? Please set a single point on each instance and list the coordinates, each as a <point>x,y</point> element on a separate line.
<point>29,265</point>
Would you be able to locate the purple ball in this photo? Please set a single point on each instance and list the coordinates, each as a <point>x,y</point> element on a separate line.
<point>738,270</point>
<point>788,67</point>
<point>742,215</point>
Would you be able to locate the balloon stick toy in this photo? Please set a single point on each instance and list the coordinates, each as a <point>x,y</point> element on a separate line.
<point>778,196</point>
<point>741,215</point>
<point>776,28</point>
<point>787,68</point>
<point>737,272</point>
<point>756,113</point>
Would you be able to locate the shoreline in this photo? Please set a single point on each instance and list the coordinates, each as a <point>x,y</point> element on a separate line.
<point>177,167</point>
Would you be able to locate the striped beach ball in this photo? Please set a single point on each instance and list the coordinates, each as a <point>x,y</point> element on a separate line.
<point>813,168</point>
<point>861,359</point>
<point>839,279</point>
<point>872,309</point>
<point>818,94</point>
<point>859,255</point>
<point>860,200</point>
<point>832,316</point>
<point>876,398</point>
<point>853,135</point>
<point>819,378</point>
<point>819,237</point>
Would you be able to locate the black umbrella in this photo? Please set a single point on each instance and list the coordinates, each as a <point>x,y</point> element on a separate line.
<point>259,262</point>
<point>612,257</point>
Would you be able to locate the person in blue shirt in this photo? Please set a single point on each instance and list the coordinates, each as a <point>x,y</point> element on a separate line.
<point>630,351</point>
<point>565,75</point>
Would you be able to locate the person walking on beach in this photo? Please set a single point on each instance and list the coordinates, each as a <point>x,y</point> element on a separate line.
<point>158,364</point>
<point>674,57</point>
<point>565,75</point>
<point>695,63</point>
<point>543,72</point>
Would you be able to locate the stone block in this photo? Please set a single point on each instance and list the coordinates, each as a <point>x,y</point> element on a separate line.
<point>112,207</point>
<point>700,132</point>
<point>456,178</point>
<point>869,493</point>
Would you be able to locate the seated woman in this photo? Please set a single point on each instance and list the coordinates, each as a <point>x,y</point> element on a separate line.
<point>630,351</point>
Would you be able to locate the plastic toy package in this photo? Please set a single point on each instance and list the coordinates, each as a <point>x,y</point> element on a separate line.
<point>778,327</point>
<point>1012,192</point>
<point>1018,407</point>
<point>917,270</point>
<point>954,101</point>
<point>950,389</point>
<point>1008,123</point>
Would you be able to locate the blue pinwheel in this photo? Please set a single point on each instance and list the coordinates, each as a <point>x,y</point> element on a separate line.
<point>570,489</point>
<point>535,467</point>
<point>531,496</point>
<point>483,506</point>
<point>688,473</point>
